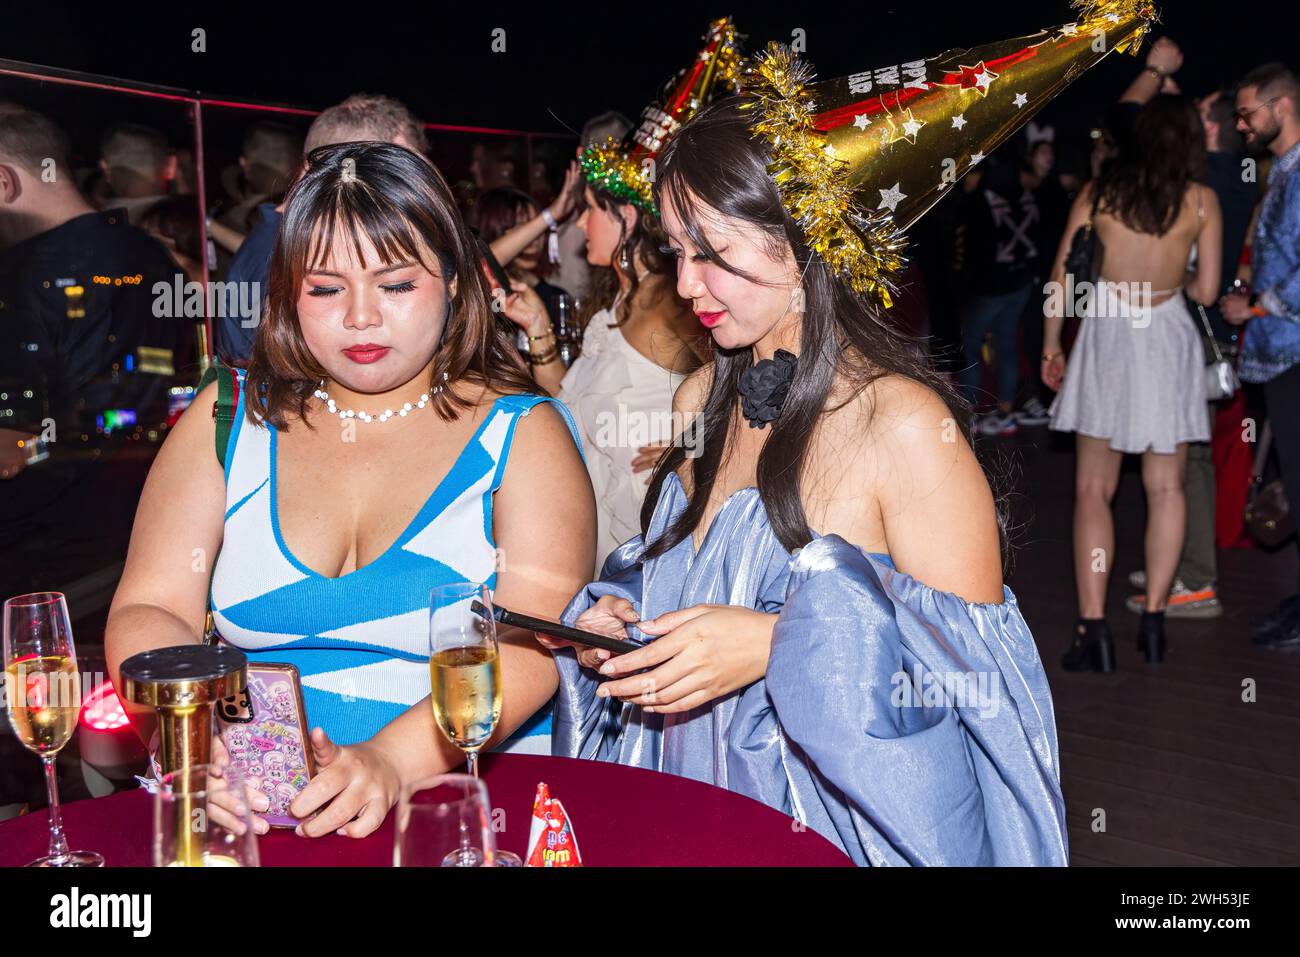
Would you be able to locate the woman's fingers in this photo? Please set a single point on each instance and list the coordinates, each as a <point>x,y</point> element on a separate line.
<point>342,809</point>
<point>323,787</point>
<point>655,653</point>
<point>662,624</point>
<point>367,820</point>
<point>220,756</point>
<point>593,658</point>
<point>654,687</point>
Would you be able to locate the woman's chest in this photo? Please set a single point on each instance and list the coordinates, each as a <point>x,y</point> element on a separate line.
<point>342,508</point>
<point>838,492</point>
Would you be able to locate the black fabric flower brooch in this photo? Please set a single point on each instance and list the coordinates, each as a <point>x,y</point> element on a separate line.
<point>764,386</point>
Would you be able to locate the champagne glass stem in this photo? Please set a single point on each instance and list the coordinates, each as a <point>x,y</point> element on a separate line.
<point>58,843</point>
<point>466,850</point>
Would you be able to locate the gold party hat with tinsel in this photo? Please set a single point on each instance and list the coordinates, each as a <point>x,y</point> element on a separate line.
<point>626,169</point>
<point>860,158</point>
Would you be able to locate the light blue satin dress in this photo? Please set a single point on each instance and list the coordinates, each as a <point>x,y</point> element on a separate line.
<point>905,724</point>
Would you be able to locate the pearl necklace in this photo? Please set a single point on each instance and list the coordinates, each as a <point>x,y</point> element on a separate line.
<point>384,416</point>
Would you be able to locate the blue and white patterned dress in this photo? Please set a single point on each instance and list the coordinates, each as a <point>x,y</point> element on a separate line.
<point>360,641</point>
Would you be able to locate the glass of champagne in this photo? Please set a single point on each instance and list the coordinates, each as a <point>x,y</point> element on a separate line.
<point>43,695</point>
<point>464,666</point>
<point>202,817</point>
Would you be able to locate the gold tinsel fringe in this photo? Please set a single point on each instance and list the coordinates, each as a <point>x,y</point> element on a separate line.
<point>864,247</point>
<point>1090,11</point>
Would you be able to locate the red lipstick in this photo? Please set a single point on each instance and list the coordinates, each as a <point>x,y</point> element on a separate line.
<point>366,353</point>
<point>710,319</point>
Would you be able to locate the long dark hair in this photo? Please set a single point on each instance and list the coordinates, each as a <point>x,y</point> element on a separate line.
<point>645,239</point>
<point>716,161</point>
<point>399,201</point>
<point>1145,186</point>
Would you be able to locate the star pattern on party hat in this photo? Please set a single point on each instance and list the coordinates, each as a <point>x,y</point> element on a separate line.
<point>978,78</point>
<point>838,144</point>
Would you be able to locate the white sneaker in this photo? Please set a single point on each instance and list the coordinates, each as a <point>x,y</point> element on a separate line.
<point>1183,602</point>
<point>996,423</point>
<point>1032,413</point>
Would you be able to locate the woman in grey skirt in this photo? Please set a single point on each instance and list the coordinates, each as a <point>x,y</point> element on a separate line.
<point>1135,380</point>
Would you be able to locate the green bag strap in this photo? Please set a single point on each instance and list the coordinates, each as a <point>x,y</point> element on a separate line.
<point>224,410</point>
<point>227,404</point>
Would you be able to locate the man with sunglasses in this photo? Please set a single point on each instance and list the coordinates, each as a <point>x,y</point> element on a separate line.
<point>1268,116</point>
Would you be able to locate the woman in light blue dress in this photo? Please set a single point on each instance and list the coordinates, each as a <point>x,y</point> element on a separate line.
<point>822,584</point>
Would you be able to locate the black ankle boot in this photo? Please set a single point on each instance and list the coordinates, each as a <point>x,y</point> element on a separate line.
<point>1092,649</point>
<point>1151,636</point>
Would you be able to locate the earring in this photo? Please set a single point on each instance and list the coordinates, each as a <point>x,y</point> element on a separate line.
<point>624,261</point>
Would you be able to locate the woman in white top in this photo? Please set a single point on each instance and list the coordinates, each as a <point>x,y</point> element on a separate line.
<point>641,339</point>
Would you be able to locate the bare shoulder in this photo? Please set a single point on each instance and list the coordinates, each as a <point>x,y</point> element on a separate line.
<point>542,439</point>
<point>898,412</point>
<point>689,397</point>
<point>191,444</point>
<point>934,499</point>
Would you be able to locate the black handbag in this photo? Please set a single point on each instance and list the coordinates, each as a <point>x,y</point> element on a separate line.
<point>1083,261</point>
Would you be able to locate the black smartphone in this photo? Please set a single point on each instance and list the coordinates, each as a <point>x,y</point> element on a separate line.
<point>589,639</point>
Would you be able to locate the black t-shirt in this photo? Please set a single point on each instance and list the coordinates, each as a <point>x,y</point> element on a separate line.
<point>77,303</point>
<point>1003,233</point>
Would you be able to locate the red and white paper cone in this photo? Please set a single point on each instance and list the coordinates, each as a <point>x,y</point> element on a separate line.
<point>551,842</point>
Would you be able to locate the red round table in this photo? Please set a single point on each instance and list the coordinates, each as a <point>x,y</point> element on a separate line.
<point>621,817</point>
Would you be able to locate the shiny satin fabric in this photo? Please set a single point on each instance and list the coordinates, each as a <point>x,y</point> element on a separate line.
<point>907,725</point>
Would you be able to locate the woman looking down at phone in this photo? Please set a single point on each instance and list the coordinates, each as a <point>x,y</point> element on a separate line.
<point>833,551</point>
<point>387,440</point>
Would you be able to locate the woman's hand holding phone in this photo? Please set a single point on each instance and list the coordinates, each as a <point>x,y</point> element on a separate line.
<point>608,616</point>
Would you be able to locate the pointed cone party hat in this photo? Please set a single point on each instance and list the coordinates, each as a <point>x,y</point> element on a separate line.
<point>860,158</point>
<point>626,168</point>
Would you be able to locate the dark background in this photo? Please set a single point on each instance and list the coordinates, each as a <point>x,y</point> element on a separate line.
<point>567,61</point>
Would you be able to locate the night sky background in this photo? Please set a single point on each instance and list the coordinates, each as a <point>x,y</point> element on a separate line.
<point>567,61</point>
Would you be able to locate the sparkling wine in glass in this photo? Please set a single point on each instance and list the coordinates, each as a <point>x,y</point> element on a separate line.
<point>464,666</point>
<point>43,699</point>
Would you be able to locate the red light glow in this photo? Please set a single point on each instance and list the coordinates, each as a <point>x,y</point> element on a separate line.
<point>102,711</point>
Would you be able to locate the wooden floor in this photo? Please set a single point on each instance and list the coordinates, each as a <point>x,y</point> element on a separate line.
<point>1160,764</point>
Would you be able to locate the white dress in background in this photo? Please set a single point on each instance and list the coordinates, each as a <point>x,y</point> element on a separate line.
<point>622,401</point>
<point>1138,381</point>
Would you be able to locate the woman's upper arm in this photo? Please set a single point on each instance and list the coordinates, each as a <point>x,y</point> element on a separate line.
<point>1209,249</point>
<point>544,517</point>
<point>935,502</point>
<point>179,522</point>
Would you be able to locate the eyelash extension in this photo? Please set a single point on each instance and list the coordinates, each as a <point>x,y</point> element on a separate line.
<point>325,291</point>
<point>677,254</point>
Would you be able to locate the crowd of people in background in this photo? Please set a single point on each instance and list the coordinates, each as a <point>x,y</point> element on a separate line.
<point>1196,200</point>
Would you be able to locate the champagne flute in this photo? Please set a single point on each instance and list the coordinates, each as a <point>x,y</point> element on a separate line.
<point>42,691</point>
<point>464,666</point>
<point>202,817</point>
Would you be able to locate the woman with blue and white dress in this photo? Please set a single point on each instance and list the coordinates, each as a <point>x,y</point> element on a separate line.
<point>387,440</point>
